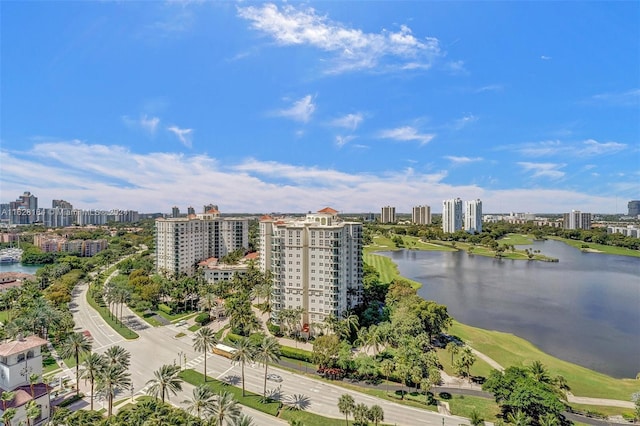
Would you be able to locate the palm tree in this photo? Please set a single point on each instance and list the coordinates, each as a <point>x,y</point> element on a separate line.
<point>112,379</point>
<point>548,419</point>
<point>203,399</point>
<point>245,352</point>
<point>297,402</point>
<point>204,340</point>
<point>467,359</point>
<point>360,414</point>
<point>117,355</point>
<point>475,418</point>
<point>6,397</point>
<point>519,418</point>
<point>346,405</point>
<point>91,368</point>
<point>539,372</point>
<point>376,414</point>
<point>386,368</point>
<point>76,344</point>
<point>166,380</point>
<point>225,410</point>
<point>453,348</point>
<point>244,420</point>
<point>32,410</point>
<point>8,415</point>
<point>268,351</point>
<point>33,379</point>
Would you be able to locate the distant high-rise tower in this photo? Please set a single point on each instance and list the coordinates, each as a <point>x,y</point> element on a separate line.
<point>473,216</point>
<point>452,215</point>
<point>634,208</point>
<point>209,207</point>
<point>577,220</point>
<point>24,210</point>
<point>388,215</point>
<point>190,211</point>
<point>175,211</point>
<point>421,215</point>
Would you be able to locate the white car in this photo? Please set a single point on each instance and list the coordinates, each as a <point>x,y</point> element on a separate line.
<point>274,377</point>
<point>181,323</point>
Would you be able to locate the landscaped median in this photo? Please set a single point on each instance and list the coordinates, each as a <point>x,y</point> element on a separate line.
<point>255,401</point>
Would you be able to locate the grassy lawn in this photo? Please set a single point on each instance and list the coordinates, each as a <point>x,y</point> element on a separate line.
<point>516,239</point>
<point>508,350</point>
<point>148,317</point>
<point>250,400</point>
<point>479,368</point>
<point>121,329</point>
<point>620,251</point>
<point>463,405</point>
<point>387,269</point>
<point>4,316</point>
<point>310,419</point>
<point>602,410</point>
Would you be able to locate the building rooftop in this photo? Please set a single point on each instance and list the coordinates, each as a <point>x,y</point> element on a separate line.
<point>21,345</point>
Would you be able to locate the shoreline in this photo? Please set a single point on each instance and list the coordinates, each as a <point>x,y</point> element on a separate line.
<point>589,383</point>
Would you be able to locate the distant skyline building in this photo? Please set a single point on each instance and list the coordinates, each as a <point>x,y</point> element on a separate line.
<point>473,216</point>
<point>23,211</point>
<point>190,211</point>
<point>208,207</point>
<point>577,220</point>
<point>175,212</point>
<point>316,264</point>
<point>634,208</point>
<point>421,215</point>
<point>452,215</point>
<point>388,215</point>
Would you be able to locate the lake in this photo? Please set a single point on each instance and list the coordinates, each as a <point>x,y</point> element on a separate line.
<point>584,309</point>
<point>18,267</point>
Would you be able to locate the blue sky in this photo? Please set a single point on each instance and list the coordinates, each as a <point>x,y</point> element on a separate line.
<point>260,107</point>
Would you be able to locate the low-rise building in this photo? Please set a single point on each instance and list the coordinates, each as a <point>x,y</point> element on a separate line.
<point>19,360</point>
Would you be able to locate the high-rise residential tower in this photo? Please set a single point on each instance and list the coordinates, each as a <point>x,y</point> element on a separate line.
<point>388,215</point>
<point>183,242</point>
<point>634,208</point>
<point>577,220</point>
<point>473,216</point>
<point>316,264</point>
<point>452,215</point>
<point>421,215</point>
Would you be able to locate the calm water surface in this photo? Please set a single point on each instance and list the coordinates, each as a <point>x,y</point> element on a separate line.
<point>18,267</point>
<point>584,309</point>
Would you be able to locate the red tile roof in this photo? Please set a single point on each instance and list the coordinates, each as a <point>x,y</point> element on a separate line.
<point>23,345</point>
<point>328,210</point>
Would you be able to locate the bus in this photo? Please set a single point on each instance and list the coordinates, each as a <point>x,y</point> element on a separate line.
<point>224,350</point>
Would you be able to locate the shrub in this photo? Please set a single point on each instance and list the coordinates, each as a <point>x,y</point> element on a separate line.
<point>202,318</point>
<point>299,354</point>
<point>274,329</point>
<point>164,308</point>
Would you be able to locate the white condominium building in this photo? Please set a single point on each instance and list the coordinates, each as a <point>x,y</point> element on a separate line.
<point>183,242</point>
<point>421,215</point>
<point>473,216</point>
<point>452,215</point>
<point>388,215</point>
<point>316,262</point>
<point>577,220</point>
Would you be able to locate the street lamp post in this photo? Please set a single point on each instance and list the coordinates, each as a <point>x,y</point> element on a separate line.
<point>182,355</point>
<point>131,393</point>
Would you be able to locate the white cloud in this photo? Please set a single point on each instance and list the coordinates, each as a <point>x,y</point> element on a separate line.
<point>593,147</point>
<point>545,58</point>
<point>406,133</point>
<point>626,98</point>
<point>349,121</point>
<point>149,124</point>
<point>465,121</point>
<point>547,170</point>
<point>587,148</point>
<point>490,88</point>
<point>146,123</point>
<point>343,140</point>
<point>301,110</point>
<point>462,160</point>
<point>154,182</point>
<point>352,49</point>
<point>183,134</point>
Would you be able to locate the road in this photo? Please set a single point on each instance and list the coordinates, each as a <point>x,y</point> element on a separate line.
<point>159,345</point>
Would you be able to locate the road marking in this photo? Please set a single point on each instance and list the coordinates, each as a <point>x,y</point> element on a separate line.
<point>228,369</point>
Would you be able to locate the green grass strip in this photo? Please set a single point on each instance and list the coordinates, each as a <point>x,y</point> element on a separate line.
<point>121,329</point>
